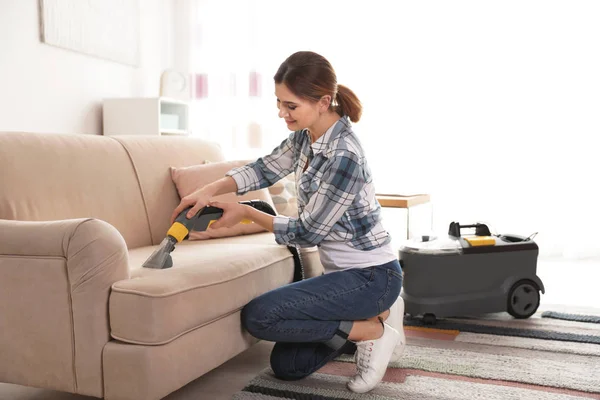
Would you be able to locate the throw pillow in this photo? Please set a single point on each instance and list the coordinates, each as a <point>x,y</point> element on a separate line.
<point>189,179</point>
<point>283,193</point>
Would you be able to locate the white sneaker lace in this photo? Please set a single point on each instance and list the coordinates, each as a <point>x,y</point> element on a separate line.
<point>363,356</point>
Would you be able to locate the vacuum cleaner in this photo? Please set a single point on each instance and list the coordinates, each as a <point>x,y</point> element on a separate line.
<point>182,226</point>
<point>471,274</point>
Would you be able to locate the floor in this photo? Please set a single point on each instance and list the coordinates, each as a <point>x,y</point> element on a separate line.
<point>571,283</point>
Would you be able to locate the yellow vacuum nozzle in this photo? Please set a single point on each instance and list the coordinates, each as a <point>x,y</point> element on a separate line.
<point>178,231</point>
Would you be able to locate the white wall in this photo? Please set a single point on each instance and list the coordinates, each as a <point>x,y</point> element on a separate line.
<point>491,107</point>
<point>49,89</point>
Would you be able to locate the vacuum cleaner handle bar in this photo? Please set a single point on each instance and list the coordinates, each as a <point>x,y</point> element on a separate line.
<point>480,229</point>
<point>208,214</point>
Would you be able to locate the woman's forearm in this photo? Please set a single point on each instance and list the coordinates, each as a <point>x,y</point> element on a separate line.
<point>224,185</point>
<point>258,217</point>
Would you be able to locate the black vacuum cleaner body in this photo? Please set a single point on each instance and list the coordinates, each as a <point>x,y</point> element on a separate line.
<point>462,275</point>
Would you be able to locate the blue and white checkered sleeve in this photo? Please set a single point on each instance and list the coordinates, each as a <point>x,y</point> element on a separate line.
<point>343,179</point>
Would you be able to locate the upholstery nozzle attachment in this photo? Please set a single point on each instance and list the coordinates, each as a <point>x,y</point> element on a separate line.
<point>161,257</point>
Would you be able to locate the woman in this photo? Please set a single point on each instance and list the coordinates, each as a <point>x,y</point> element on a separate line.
<point>315,320</point>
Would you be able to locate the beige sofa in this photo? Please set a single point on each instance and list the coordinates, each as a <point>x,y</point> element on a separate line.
<point>78,216</point>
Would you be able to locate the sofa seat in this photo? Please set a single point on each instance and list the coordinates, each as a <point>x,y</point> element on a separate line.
<point>310,255</point>
<point>155,307</point>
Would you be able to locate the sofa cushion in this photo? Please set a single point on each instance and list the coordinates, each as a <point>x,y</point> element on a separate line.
<point>207,282</point>
<point>283,194</point>
<point>311,261</point>
<point>189,179</point>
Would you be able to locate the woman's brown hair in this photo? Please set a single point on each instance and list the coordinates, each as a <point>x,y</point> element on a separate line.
<point>310,76</point>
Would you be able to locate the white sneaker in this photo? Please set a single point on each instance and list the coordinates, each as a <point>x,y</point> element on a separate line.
<point>372,358</point>
<point>396,321</point>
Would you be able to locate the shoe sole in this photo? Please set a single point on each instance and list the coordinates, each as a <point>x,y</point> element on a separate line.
<point>399,349</point>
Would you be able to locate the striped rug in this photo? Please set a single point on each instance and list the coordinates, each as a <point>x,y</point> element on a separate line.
<point>490,357</point>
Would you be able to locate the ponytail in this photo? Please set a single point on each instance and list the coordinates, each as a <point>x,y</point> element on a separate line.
<point>348,103</point>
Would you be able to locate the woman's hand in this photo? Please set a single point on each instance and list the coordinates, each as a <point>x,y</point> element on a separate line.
<point>197,200</point>
<point>201,197</point>
<point>233,214</point>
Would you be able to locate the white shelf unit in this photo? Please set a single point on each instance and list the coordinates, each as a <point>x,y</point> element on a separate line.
<point>145,116</point>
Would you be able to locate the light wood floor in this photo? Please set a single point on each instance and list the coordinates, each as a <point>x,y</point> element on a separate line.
<point>567,283</point>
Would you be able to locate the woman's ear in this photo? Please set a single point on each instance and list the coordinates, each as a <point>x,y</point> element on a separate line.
<point>324,103</point>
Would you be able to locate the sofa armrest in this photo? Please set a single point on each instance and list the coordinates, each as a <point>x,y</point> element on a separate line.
<point>55,280</point>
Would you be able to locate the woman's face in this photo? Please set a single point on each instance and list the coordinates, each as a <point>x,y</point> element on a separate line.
<point>297,113</point>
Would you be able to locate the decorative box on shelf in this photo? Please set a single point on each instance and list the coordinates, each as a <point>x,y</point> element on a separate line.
<point>145,116</point>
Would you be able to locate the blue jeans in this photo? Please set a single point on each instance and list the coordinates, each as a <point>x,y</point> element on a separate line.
<point>310,320</point>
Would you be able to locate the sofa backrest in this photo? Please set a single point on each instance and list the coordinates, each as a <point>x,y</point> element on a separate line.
<point>123,180</point>
<point>152,157</point>
<point>61,176</point>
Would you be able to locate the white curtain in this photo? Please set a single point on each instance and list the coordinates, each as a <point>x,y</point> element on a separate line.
<point>493,108</point>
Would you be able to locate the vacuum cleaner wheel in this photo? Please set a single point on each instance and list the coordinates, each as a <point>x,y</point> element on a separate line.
<point>429,319</point>
<point>523,299</point>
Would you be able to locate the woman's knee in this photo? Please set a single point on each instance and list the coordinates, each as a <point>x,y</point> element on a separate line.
<point>283,362</point>
<point>256,317</point>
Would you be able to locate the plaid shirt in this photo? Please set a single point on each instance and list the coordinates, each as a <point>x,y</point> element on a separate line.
<point>336,196</point>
